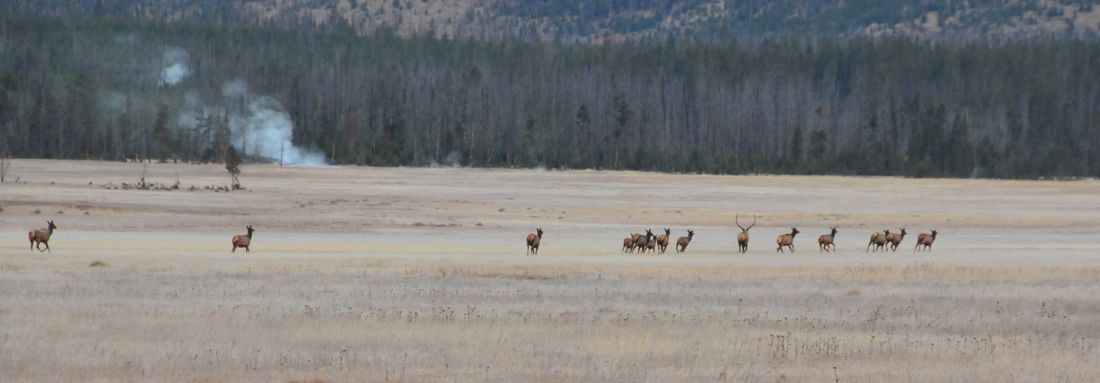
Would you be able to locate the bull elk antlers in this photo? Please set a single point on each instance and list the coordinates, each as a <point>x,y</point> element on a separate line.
<point>743,236</point>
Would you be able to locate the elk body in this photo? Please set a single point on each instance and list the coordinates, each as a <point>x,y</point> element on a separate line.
<point>826,241</point>
<point>925,239</point>
<point>894,239</point>
<point>641,243</point>
<point>41,237</point>
<point>533,240</point>
<point>743,236</point>
<point>243,240</point>
<point>662,240</point>
<point>786,240</point>
<point>682,242</point>
<point>633,242</point>
<point>878,240</point>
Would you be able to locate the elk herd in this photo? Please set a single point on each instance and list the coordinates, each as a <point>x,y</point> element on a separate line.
<point>635,242</point>
<point>649,242</point>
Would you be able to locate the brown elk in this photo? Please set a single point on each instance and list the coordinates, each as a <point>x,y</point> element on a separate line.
<point>662,240</point>
<point>894,239</point>
<point>826,241</point>
<point>533,240</point>
<point>628,244</point>
<point>243,240</point>
<point>651,246</point>
<point>634,238</point>
<point>641,243</point>
<point>682,242</point>
<point>926,240</point>
<point>786,240</point>
<point>878,240</point>
<point>41,237</point>
<point>743,236</point>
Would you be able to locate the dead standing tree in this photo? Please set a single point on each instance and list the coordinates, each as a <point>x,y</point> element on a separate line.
<point>5,165</point>
<point>233,166</point>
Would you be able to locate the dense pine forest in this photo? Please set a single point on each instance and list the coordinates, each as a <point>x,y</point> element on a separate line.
<point>115,89</point>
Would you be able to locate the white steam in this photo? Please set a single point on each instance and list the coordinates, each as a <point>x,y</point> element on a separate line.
<point>237,88</point>
<point>174,63</point>
<point>265,130</point>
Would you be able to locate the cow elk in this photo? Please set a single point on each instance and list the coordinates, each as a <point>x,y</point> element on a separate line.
<point>682,242</point>
<point>743,236</point>
<point>925,239</point>
<point>41,237</point>
<point>786,240</point>
<point>662,240</point>
<point>628,244</point>
<point>826,241</point>
<point>894,239</point>
<point>533,240</point>
<point>878,240</point>
<point>243,240</point>
<point>641,243</point>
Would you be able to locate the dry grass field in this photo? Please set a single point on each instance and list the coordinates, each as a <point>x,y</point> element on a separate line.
<point>398,274</point>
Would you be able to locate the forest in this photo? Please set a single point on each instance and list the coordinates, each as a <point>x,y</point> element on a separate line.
<point>118,89</point>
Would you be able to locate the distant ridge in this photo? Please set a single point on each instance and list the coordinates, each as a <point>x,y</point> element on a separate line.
<point>612,21</point>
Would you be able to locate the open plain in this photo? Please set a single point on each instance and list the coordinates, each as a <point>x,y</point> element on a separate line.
<point>420,274</point>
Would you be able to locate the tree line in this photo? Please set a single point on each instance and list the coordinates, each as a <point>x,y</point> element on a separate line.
<point>97,88</point>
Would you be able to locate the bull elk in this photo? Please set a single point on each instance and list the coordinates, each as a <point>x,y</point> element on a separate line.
<point>926,240</point>
<point>533,240</point>
<point>642,243</point>
<point>826,241</point>
<point>786,240</point>
<point>878,240</point>
<point>243,240</point>
<point>682,242</point>
<point>662,240</point>
<point>894,239</point>
<point>743,236</point>
<point>41,237</point>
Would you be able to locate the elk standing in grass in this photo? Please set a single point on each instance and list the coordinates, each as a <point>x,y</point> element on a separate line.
<point>641,243</point>
<point>925,239</point>
<point>533,240</point>
<point>243,240</point>
<point>894,239</point>
<point>786,240</point>
<point>634,238</point>
<point>662,240</point>
<point>826,241</point>
<point>628,244</point>
<point>682,242</point>
<point>878,240</point>
<point>743,236</point>
<point>41,237</point>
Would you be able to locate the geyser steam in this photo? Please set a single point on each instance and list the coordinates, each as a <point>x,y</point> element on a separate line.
<point>265,130</point>
<point>174,63</point>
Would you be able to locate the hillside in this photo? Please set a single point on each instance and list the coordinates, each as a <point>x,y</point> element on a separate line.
<point>619,20</point>
<point>123,89</point>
